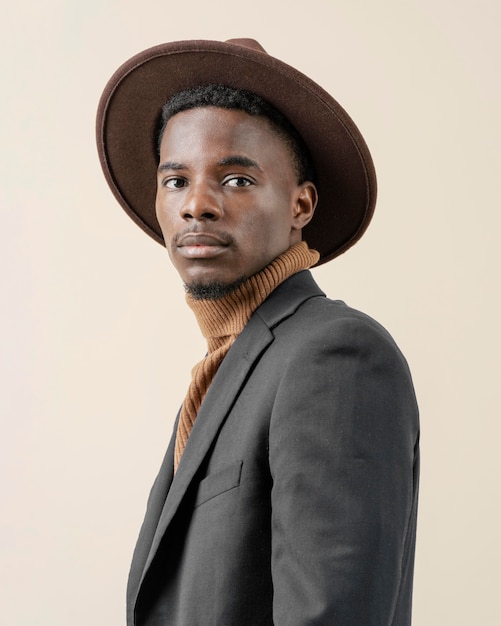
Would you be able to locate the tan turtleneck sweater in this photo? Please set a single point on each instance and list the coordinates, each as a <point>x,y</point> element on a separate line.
<point>221,321</point>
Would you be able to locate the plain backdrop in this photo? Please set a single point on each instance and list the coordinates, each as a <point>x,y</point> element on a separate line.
<point>97,342</point>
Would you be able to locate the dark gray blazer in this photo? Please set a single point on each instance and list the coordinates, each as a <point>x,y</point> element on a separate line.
<point>295,500</point>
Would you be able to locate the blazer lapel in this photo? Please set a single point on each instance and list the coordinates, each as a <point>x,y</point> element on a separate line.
<point>225,387</point>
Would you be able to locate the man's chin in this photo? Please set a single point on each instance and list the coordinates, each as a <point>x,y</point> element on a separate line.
<point>211,291</point>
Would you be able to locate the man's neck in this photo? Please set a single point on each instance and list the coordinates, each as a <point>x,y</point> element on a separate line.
<point>227,316</point>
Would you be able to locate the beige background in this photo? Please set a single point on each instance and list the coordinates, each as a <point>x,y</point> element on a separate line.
<point>97,342</point>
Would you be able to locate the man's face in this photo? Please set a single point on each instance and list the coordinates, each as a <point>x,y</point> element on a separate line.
<point>228,201</point>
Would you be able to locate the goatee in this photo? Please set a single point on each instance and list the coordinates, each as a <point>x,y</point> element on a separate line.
<point>212,291</point>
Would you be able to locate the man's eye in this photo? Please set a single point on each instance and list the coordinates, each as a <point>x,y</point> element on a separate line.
<point>238,181</point>
<point>174,183</point>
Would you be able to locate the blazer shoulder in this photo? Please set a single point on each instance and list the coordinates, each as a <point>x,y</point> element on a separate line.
<point>338,314</point>
<point>327,324</point>
<point>299,313</point>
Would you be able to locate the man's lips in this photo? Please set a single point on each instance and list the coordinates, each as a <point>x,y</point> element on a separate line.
<point>200,245</point>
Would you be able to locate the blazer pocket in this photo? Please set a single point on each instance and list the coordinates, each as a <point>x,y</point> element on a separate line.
<point>215,484</point>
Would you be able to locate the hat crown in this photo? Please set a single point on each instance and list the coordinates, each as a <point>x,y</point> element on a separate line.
<point>247,43</point>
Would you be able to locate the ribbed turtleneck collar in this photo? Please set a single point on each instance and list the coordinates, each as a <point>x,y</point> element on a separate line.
<point>227,316</point>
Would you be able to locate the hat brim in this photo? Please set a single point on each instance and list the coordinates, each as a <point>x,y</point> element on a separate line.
<point>129,114</point>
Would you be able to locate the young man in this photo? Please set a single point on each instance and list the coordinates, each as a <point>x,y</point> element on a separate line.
<point>288,493</point>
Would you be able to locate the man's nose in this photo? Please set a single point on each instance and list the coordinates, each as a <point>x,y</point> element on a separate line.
<point>202,203</point>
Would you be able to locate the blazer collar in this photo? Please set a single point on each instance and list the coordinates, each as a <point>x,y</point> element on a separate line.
<point>224,389</point>
<point>287,298</point>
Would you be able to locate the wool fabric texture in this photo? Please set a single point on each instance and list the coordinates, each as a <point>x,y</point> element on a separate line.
<point>222,320</point>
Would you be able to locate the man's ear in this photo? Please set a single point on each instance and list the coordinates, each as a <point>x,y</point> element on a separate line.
<point>305,201</point>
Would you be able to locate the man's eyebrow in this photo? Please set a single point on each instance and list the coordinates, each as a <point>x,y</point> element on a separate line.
<point>234,159</point>
<point>241,161</point>
<point>170,165</point>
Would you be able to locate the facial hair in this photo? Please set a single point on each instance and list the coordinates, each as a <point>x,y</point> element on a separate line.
<point>212,291</point>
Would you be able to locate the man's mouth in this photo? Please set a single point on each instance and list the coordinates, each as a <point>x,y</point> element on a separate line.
<point>200,245</point>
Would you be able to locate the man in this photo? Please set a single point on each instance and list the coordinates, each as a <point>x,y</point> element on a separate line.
<point>288,493</point>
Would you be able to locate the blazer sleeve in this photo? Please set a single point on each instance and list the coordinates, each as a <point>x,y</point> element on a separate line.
<point>343,458</point>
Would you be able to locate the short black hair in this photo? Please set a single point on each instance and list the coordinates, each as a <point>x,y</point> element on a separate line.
<point>225,97</point>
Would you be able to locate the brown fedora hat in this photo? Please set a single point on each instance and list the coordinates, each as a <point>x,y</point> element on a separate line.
<point>130,109</point>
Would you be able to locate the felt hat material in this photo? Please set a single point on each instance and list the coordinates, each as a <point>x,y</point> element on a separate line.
<point>129,115</point>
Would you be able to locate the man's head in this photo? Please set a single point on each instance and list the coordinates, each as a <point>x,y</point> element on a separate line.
<point>128,117</point>
<point>233,187</point>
